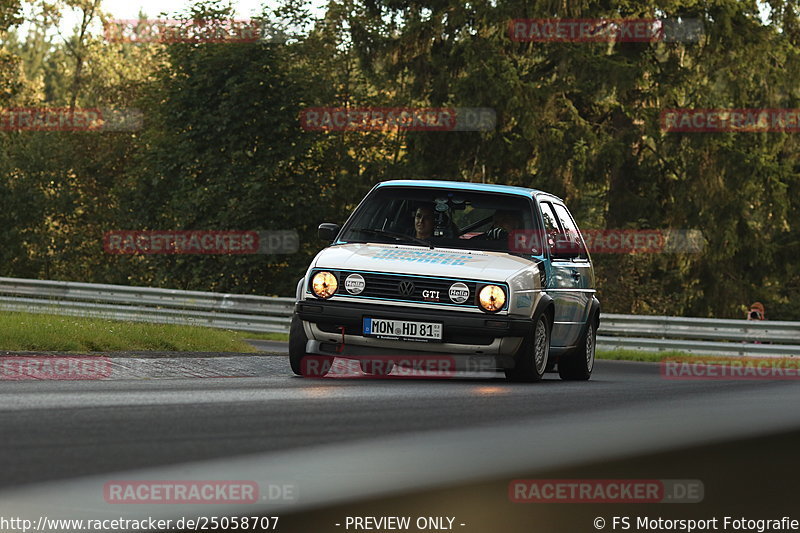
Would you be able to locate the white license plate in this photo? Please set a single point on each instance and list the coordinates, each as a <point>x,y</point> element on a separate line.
<point>402,329</point>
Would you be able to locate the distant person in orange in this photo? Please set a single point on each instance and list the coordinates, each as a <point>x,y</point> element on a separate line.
<point>756,312</point>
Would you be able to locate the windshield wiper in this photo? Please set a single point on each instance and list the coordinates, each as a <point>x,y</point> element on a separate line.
<point>395,235</point>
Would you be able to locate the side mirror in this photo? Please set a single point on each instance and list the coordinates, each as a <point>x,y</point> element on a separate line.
<point>565,248</point>
<point>328,232</point>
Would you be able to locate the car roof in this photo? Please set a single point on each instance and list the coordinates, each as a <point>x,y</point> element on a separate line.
<point>467,186</point>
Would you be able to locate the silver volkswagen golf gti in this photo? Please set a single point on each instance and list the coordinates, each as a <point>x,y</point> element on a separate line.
<point>475,276</point>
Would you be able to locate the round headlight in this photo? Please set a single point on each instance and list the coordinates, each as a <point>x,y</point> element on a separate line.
<point>492,298</point>
<point>324,284</point>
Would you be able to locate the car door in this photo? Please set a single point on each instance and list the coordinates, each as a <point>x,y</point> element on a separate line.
<point>579,272</point>
<point>565,276</point>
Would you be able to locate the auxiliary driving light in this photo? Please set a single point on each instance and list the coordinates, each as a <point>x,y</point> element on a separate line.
<point>324,284</point>
<point>492,298</point>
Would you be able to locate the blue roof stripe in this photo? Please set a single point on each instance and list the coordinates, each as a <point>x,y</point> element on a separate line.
<point>462,185</point>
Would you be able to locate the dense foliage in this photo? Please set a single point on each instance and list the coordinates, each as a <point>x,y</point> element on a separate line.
<point>222,146</point>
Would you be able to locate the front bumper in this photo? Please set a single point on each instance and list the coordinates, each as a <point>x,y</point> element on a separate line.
<point>328,323</point>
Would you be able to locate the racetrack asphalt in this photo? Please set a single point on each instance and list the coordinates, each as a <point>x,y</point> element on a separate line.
<point>202,416</point>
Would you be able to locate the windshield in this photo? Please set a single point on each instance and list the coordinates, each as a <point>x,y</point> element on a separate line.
<point>443,218</point>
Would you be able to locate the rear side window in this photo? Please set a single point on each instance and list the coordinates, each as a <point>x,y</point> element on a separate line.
<point>571,231</point>
<point>551,227</point>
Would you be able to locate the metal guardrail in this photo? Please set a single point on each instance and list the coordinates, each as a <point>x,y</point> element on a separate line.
<point>716,329</point>
<point>702,336</point>
<point>727,349</point>
<point>144,304</point>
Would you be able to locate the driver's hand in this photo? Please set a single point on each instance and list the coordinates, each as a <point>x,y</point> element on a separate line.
<point>496,233</point>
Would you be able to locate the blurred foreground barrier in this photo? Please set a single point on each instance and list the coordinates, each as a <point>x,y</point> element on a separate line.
<point>701,336</point>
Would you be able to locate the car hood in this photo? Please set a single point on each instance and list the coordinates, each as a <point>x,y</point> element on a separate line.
<point>404,259</point>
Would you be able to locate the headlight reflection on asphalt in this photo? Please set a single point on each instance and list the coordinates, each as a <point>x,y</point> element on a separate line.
<point>490,391</point>
<point>319,391</point>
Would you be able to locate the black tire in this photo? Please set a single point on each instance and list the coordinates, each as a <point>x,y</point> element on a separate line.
<point>577,365</point>
<point>302,363</point>
<point>530,361</point>
<point>376,367</point>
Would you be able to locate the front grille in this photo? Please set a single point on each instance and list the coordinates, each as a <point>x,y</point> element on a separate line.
<point>388,287</point>
<point>417,288</point>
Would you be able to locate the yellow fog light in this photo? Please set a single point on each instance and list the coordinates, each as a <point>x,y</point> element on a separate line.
<point>492,298</point>
<point>324,284</point>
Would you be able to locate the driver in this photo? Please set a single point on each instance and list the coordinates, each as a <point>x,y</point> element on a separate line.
<point>423,222</point>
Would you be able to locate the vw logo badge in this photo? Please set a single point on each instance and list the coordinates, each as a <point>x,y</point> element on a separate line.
<point>406,288</point>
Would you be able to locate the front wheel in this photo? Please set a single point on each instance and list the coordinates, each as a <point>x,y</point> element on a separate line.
<point>302,363</point>
<point>530,361</point>
<point>578,364</point>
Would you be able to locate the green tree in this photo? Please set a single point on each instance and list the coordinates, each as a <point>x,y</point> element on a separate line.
<point>582,120</point>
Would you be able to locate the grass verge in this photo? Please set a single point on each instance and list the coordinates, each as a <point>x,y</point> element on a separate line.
<point>40,332</point>
<point>284,337</point>
<point>651,357</point>
<point>656,357</point>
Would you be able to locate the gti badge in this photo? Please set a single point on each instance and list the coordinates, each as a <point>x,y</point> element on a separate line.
<point>430,296</point>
